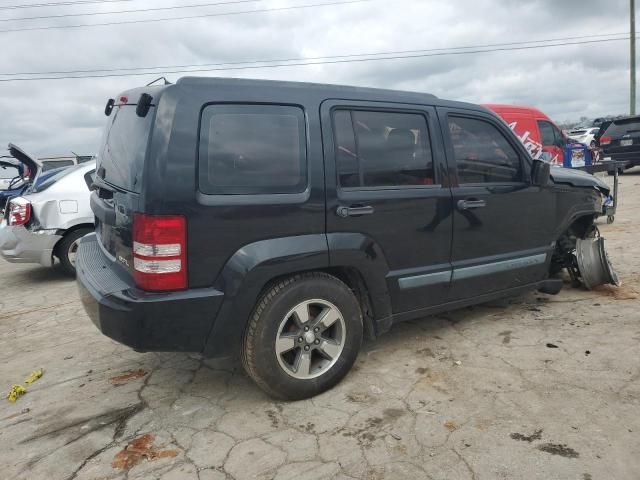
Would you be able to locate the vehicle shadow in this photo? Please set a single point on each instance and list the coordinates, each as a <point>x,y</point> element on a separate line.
<point>224,379</point>
<point>34,275</point>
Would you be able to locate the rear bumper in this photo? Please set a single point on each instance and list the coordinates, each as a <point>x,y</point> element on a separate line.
<point>631,159</point>
<point>20,245</point>
<point>173,321</point>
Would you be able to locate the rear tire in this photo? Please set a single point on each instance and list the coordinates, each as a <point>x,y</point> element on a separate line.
<point>67,248</point>
<point>303,336</point>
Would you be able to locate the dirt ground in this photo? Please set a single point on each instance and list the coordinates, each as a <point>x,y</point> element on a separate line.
<point>537,387</point>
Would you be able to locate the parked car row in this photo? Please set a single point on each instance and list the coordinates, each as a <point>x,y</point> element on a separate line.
<point>45,213</point>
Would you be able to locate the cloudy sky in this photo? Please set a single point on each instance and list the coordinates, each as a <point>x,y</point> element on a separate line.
<point>49,117</point>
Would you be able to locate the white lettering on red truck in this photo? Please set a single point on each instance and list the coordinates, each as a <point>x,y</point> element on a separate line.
<point>534,148</point>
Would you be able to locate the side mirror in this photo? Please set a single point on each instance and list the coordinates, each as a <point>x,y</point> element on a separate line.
<point>540,173</point>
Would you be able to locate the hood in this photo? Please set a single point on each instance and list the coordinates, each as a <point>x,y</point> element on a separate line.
<point>22,157</point>
<point>578,178</point>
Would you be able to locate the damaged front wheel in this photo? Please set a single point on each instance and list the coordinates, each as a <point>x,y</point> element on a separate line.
<point>593,263</point>
<point>581,251</point>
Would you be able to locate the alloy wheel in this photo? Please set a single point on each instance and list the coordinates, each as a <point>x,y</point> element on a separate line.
<point>310,339</point>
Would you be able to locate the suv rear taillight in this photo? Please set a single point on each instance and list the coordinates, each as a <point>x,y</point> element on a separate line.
<point>160,252</point>
<point>605,140</point>
<point>19,211</point>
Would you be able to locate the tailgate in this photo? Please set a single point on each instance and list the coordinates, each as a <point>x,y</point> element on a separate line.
<point>120,167</point>
<point>113,212</point>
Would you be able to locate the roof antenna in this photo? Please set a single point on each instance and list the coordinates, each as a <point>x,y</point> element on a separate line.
<point>166,82</point>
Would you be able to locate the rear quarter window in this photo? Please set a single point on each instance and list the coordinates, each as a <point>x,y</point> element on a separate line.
<point>252,149</point>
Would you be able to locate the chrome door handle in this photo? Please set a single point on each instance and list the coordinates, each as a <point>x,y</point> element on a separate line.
<point>471,204</point>
<point>345,212</point>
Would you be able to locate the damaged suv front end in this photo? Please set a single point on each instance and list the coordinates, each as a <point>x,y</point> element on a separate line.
<point>580,249</point>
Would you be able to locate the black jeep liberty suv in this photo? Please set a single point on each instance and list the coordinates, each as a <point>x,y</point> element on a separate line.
<point>286,221</point>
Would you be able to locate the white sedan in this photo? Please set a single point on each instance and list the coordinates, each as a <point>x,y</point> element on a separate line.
<point>584,135</point>
<point>49,221</point>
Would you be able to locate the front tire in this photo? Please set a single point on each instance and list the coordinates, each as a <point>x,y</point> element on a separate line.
<point>303,336</point>
<point>67,247</point>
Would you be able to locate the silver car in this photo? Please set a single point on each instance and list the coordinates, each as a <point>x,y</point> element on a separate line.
<point>49,220</point>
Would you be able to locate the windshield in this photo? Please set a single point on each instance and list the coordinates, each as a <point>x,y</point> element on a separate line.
<point>623,127</point>
<point>124,148</point>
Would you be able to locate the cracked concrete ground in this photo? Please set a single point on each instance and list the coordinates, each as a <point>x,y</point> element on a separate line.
<point>474,394</point>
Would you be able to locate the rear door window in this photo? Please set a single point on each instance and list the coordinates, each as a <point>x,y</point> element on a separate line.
<point>482,153</point>
<point>252,149</point>
<point>382,149</point>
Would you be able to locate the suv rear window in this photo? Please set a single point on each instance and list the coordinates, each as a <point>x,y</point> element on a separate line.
<point>252,149</point>
<point>621,127</point>
<point>124,147</point>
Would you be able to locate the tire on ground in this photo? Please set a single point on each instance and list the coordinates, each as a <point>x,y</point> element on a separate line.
<point>259,343</point>
<point>63,246</point>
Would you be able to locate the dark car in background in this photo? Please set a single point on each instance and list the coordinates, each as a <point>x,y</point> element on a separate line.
<point>620,141</point>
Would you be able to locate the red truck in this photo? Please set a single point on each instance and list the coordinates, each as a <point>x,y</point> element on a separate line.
<point>541,137</point>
